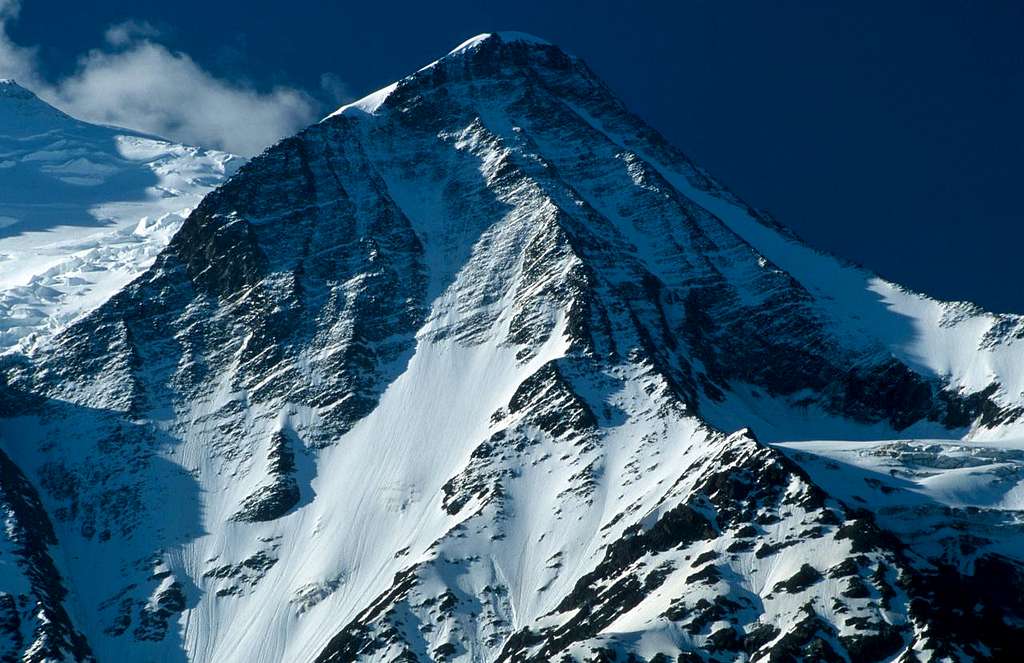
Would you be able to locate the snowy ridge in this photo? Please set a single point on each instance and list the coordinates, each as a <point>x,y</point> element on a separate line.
<point>371,102</point>
<point>507,36</point>
<point>483,369</point>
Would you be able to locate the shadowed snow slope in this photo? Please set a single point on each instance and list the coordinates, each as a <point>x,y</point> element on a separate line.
<point>83,210</point>
<point>467,371</point>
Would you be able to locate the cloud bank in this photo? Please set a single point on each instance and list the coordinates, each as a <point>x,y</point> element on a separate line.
<point>136,82</point>
<point>153,89</point>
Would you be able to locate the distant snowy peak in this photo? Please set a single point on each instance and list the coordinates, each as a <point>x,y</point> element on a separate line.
<point>83,210</point>
<point>9,89</point>
<point>22,112</point>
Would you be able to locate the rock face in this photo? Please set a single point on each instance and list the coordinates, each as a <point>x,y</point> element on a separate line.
<point>34,625</point>
<point>451,376</point>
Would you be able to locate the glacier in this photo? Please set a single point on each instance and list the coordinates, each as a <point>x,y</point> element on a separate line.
<point>84,209</point>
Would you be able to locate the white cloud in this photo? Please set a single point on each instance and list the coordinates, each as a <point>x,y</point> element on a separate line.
<point>16,61</point>
<point>153,89</point>
<point>125,32</point>
<point>139,83</point>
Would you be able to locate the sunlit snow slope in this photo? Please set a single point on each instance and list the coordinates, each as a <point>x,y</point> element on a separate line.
<point>83,210</point>
<point>480,368</point>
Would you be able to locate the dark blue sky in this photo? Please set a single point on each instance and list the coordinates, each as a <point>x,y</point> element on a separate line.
<point>887,132</point>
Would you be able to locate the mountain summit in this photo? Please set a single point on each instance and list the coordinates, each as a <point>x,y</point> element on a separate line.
<point>481,368</point>
<point>21,111</point>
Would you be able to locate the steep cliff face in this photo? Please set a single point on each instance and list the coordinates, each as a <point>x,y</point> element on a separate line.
<point>451,375</point>
<point>34,625</point>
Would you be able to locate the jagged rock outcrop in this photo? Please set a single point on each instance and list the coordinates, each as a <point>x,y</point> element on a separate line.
<point>34,623</point>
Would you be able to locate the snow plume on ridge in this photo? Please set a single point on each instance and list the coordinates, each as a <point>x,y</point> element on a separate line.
<point>335,88</point>
<point>139,83</point>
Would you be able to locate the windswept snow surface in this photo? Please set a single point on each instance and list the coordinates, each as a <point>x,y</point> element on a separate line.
<point>84,209</point>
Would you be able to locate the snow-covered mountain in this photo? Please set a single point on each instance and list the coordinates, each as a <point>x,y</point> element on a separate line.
<point>84,209</point>
<point>480,368</point>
